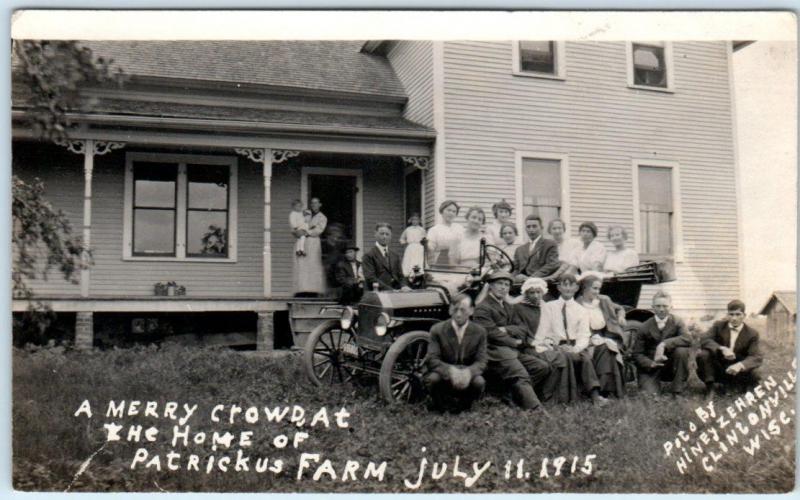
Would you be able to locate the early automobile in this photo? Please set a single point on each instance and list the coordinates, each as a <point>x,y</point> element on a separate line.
<point>386,335</point>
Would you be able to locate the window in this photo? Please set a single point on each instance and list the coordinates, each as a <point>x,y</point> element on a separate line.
<point>180,207</point>
<point>535,58</point>
<point>650,65</point>
<point>542,182</point>
<point>658,231</point>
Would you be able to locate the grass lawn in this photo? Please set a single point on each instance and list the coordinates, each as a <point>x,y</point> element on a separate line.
<point>627,438</point>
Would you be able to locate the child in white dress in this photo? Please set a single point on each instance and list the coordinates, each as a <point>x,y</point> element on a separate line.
<point>299,220</point>
<point>412,237</point>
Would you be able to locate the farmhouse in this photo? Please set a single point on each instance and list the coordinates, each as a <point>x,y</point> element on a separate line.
<point>229,132</point>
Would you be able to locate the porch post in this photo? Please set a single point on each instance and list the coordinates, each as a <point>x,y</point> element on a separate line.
<point>267,157</point>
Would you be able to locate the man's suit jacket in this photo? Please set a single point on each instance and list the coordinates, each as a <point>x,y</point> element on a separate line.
<point>746,349</point>
<point>492,314</point>
<point>444,348</point>
<point>387,272</point>
<point>675,334</point>
<point>540,263</point>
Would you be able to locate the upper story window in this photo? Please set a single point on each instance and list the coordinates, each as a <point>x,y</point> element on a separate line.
<point>539,58</point>
<point>542,180</point>
<point>650,65</point>
<point>180,207</point>
<point>658,225</point>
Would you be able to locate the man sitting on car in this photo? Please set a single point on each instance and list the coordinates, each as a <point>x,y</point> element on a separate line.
<point>381,265</point>
<point>456,359</point>
<point>505,340</point>
<point>539,257</point>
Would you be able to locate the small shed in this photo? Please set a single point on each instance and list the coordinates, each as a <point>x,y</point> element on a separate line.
<point>781,313</point>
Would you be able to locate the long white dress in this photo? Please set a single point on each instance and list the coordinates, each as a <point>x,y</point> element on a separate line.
<point>441,238</point>
<point>414,253</point>
<point>309,273</point>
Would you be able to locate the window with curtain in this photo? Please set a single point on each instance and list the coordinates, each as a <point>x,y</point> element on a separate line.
<point>649,65</point>
<point>541,188</point>
<point>207,210</point>
<point>656,210</point>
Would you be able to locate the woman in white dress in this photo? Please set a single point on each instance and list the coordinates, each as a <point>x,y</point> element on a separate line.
<point>444,235</point>
<point>467,252</point>
<point>592,253</point>
<point>502,215</point>
<point>568,248</point>
<point>309,273</point>
<point>620,258</point>
<point>412,238</point>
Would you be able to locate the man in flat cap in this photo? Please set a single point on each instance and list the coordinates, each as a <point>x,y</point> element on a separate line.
<point>505,340</point>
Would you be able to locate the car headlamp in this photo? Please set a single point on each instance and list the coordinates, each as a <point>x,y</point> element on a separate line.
<point>382,324</point>
<point>346,321</point>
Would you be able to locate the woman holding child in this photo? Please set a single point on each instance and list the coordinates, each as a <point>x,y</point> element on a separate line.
<point>309,273</point>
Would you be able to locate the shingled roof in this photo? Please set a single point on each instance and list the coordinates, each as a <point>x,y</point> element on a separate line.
<point>338,66</point>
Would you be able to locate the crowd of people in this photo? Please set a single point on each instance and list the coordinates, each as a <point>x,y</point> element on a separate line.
<point>560,350</point>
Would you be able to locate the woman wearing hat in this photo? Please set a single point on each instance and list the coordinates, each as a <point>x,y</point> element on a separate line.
<point>606,322</point>
<point>502,216</point>
<point>443,236</point>
<point>592,254</point>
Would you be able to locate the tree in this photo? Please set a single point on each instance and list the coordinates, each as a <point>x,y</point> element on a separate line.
<point>50,74</point>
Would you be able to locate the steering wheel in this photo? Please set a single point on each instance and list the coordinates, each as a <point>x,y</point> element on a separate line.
<point>496,259</point>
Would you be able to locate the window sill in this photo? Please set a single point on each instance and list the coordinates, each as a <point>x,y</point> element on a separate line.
<point>667,90</point>
<point>544,76</point>
<point>142,258</point>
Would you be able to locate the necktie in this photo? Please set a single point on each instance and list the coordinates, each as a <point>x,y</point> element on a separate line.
<point>564,316</point>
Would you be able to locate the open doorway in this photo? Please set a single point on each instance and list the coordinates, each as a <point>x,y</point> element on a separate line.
<point>339,191</point>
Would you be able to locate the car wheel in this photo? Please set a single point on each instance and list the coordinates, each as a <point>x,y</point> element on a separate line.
<point>400,379</point>
<point>325,358</point>
<point>631,373</point>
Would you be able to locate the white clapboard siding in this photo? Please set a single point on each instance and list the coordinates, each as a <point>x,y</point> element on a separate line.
<point>412,61</point>
<point>113,276</point>
<point>601,125</point>
<point>62,176</point>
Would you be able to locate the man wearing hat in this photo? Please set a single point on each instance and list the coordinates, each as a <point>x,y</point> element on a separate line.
<point>560,385</point>
<point>505,340</point>
<point>539,257</point>
<point>502,215</point>
<point>349,275</point>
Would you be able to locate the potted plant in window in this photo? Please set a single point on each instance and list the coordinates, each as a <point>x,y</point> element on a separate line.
<point>160,289</point>
<point>171,288</point>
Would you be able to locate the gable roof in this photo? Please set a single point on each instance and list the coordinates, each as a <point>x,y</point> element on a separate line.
<point>787,298</point>
<point>337,66</point>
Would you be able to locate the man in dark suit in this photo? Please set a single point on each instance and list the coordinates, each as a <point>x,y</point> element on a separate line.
<point>381,265</point>
<point>734,352</point>
<point>505,340</point>
<point>456,359</point>
<point>539,257</point>
<point>661,349</point>
<point>349,276</point>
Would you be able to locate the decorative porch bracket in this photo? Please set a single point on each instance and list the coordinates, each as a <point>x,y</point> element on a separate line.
<point>267,157</point>
<point>89,148</point>
<point>420,162</point>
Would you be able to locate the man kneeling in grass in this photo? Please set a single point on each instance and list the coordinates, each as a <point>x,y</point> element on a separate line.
<point>734,352</point>
<point>456,359</point>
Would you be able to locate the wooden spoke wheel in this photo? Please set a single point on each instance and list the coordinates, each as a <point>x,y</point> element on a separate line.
<point>402,369</point>
<point>331,354</point>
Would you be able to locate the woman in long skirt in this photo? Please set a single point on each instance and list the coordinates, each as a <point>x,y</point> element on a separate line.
<point>309,272</point>
<point>606,321</point>
<point>412,237</point>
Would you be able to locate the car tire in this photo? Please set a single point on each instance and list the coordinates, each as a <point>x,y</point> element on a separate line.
<point>312,364</point>
<point>409,349</point>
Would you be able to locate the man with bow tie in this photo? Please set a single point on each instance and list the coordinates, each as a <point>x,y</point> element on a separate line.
<point>539,257</point>
<point>734,351</point>
<point>381,265</point>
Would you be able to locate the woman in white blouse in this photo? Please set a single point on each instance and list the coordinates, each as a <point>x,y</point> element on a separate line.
<point>443,236</point>
<point>620,258</point>
<point>467,252</point>
<point>568,248</point>
<point>592,253</point>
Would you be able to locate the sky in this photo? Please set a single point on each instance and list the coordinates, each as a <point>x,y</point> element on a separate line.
<point>765,86</point>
